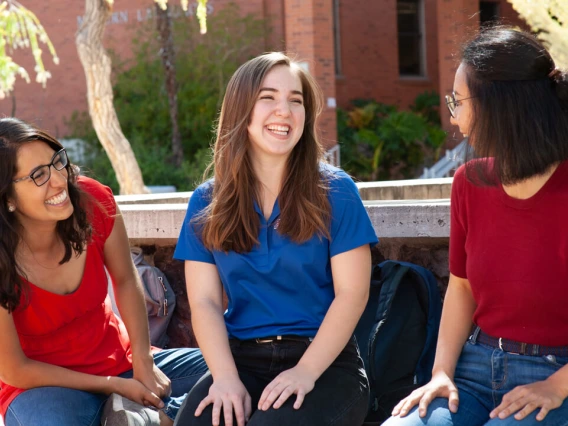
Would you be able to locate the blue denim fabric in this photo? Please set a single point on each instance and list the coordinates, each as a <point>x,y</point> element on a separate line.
<point>483,376</point>
<point>57,406</point>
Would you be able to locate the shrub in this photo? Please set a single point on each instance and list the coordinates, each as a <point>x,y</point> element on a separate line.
<point>203,66</point>
<point>378,142</point>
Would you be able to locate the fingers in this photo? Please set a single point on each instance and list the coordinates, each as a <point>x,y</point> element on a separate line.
<point>453,401</point>
<point>523,400</point>
<point>267,390</point>
<point>527,409</point>
<point>272,396</point>
<point>277,393</point>
<point>299,400</point>
<point>227,413</point>
<point>425,402</point>
<point>286,392</point>
<point>242,409</point>
<point>404,406</point>
<point>239,413</point>
<point>398,407</point>
<point>153,400</point>
<point>542,413</point>
<point>511,403</point>
<point>248,407</point>
<point>202,405</point>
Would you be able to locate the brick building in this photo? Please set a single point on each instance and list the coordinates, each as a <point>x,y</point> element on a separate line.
<point>388,50</point>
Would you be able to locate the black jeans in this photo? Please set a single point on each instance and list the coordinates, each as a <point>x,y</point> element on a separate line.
<point>340,396</point>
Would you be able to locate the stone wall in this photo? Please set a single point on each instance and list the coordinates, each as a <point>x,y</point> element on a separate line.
<point>415,231</point>
<point>432,253</point>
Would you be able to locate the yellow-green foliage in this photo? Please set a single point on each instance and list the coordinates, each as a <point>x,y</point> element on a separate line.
<point>549,19</point>
<point>20,28</point>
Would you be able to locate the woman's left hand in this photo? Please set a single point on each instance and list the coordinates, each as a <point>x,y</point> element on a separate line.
<point>523,400</point>
<point>297,380</point>
<point>153,378</point>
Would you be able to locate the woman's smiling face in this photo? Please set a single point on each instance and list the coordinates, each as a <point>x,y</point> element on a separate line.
<point>277,120</point>
<point>39,204</point>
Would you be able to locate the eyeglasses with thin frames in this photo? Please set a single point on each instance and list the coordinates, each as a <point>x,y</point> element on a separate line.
<point>453,103</point>
<point>41,174</point>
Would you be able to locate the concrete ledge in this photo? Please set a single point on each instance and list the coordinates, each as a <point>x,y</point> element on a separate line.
<point>166,198</point>
<point>410,219</point>
<point>160,224</point>
<point>415,231</point>
<point>415,189</point>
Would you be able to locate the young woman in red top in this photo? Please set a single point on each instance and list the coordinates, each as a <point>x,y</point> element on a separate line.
<point>62,349</point>
<point>508,288</point>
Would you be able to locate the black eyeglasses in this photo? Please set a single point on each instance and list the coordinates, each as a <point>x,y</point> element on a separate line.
<point>40,175</point>
<point>453,103</point>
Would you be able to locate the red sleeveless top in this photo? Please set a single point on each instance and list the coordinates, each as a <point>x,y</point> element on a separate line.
<point>78,331</point>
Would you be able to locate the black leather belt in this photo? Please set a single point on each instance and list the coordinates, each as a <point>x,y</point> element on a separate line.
<point>515,347</point>
<point>275,339</point>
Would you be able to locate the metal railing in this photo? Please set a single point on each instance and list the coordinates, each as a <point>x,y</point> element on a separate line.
<point>451,161</point>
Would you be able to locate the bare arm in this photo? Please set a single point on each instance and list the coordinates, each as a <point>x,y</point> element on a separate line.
<point>351,272</point>
<point>455,326</point>
<point>128,291</point>
<point>129,297</point>
<point>17,370</point>
<point>205,293</point>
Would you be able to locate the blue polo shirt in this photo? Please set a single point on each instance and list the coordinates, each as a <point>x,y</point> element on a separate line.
<point>281,287</point>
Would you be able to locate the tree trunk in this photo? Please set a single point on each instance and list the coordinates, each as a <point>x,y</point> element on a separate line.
<point>167,53</point>
<point>97,66</point>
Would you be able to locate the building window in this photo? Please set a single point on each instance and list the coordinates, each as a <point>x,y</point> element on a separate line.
<point>336,38</point>
<point>488,12</point>
<point>411,49</point>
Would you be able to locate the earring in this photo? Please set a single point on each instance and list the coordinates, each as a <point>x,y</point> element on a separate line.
<point>11,208</point>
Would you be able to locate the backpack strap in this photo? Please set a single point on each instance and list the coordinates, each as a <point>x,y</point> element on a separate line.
<point>137,255</point>
<point>391,276</point>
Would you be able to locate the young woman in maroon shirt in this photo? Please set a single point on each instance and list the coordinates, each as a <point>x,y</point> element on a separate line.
<point>508,289</point>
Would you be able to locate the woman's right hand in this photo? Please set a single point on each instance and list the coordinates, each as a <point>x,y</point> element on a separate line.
<point>229,394</point>
<point>135,391</point>
<point>440,386</point>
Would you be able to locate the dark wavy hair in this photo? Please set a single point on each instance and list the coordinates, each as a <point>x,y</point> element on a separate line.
<point>75,232</point>
<point>520,106</point>
<point>230,222</point>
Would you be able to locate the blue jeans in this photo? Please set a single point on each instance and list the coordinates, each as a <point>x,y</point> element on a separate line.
<point>483,376</point>
<point>339,398</point>
<point>57,406</point>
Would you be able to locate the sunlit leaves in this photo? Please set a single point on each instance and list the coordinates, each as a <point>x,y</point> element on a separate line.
<point>549,19</point>
<point>20,29</point>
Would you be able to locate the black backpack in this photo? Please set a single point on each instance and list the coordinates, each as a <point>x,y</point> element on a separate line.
<point>397,334</point>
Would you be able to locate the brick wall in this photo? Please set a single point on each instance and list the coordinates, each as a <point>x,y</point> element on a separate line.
<point>368,46</point>
<point>369,54</point>
<point>457,21</point>
<point>66,90</point>
<point>309,37</point>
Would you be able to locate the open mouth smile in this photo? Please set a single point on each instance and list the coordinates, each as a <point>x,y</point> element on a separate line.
<point>58,199</point>
<point>278,130</point>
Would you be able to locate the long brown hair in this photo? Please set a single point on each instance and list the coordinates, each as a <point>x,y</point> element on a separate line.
<point>74,232</point>
<point>230,222</point>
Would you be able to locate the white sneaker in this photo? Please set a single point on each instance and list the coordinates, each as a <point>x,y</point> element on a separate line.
<point>119,411</point>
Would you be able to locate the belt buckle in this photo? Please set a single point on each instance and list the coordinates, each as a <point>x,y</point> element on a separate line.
<point>513,353</point>
<point>270,340</point>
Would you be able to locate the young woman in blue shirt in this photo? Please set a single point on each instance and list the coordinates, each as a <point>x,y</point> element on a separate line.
<point>288,239</point>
